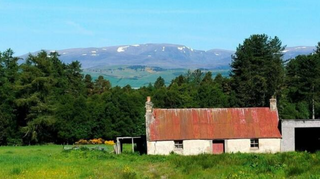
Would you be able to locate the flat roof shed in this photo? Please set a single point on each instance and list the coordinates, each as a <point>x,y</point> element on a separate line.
<point>300,135</point>
<point>138,141</point>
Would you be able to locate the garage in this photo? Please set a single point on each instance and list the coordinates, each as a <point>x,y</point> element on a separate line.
<point>307,139</point>
<point>300,135</point>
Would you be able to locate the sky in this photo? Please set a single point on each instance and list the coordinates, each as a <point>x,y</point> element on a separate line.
<point>31,25</point>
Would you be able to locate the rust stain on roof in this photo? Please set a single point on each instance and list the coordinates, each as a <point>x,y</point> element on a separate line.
<point>214,123</point>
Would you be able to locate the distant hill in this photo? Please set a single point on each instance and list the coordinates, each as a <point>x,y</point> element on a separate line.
<point>155,55</point>
<point>141,64</point>
<point>159,55</point>
<point>291,52</point>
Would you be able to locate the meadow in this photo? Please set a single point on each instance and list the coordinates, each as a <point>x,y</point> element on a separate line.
<point>52,161</point>
<point>138,76</point>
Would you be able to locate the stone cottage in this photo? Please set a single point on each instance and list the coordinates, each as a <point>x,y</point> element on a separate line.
<point>212,130</point>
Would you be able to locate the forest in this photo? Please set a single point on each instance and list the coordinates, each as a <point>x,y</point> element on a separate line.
<point>43,100</point>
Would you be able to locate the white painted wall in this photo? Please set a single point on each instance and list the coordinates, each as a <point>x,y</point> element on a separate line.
<point>190,147</point>
<point>243,145</point>
<point>160,147</point>
<point>195,147</point>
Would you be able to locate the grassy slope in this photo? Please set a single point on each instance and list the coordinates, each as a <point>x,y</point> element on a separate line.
<point>52,162</point>
<point>123,75</point>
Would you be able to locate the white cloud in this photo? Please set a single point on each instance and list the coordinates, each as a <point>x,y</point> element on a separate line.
<point>77,28</point>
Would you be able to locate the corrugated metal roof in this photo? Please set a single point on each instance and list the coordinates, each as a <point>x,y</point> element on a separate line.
<point>213,123</point>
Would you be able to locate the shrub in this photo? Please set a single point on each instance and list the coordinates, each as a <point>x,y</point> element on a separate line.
<point>109,142</point>
<point>81,142</point>
<point>92,141</point>
<point>96,141</point>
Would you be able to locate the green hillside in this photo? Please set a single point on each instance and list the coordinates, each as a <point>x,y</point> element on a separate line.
<point>137,76</point>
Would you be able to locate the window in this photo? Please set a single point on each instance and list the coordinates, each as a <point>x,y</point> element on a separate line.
<point>254,143</point>
<point>178,144</point>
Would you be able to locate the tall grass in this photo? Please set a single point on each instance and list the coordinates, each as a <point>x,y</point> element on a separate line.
<point>54,162</point>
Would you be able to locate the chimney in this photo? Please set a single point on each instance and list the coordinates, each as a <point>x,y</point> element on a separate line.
<point>149,117</point>
<point>149,105</point>
<point>273,104</point>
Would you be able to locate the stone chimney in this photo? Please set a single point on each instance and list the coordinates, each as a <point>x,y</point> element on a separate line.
<point>149,105</point>
<point>273,104</point>
<point>149,117</point>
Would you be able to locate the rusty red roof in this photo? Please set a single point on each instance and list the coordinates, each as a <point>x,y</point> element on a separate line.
<point>213,123</point>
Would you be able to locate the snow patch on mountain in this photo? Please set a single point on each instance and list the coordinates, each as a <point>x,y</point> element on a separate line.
<point>300,47</point>
<point>122,49</point>
<point>181,48</point>
<point>171,56</point>
<point>190,49</point>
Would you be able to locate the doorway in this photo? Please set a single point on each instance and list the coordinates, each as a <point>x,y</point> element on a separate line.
<point>218,146</point>
<point>307,139</point>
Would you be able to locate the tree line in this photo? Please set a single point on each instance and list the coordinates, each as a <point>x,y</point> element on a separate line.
<point>44,100</point>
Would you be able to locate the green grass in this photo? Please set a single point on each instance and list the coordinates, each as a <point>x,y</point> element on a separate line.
<point>51,161</point>
<point>123,75</point>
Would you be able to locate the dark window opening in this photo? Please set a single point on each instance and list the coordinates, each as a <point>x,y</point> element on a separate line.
<point>254,143</point>
<point>178,144</point>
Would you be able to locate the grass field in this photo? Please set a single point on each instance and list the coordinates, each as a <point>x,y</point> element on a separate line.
<point>51,161</point>
<point>137,76</point>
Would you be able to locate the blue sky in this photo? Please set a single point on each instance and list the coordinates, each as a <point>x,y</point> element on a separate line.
<point>31,25</point>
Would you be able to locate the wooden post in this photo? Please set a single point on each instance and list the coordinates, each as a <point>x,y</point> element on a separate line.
<point>132,144</point>
<point>118,147</point>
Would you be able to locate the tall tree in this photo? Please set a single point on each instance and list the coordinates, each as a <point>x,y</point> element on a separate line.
<point>35,98</point>
<point>101,85</point>
<point>257,70</point>
<point>89,84</point>
<point>303,82</point>
<point>159,83</point>
<point>317,51</point>
<point>8,76</point>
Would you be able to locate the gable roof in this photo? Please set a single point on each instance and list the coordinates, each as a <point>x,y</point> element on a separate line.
<point>213,123</point>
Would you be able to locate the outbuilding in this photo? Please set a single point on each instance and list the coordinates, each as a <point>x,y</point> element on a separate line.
<point>300,135</point>
<point>195,131</point>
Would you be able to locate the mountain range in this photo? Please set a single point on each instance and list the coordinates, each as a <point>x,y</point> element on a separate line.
<point>159,55</point>
<point>142,64</point>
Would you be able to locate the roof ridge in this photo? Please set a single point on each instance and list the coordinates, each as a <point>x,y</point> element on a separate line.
<point>212,108</point>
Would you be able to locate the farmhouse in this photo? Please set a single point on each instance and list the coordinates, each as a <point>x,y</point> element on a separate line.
<point>212,130</point>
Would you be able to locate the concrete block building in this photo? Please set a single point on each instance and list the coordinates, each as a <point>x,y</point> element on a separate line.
<point>300,135</point>
<point>212,130</point>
